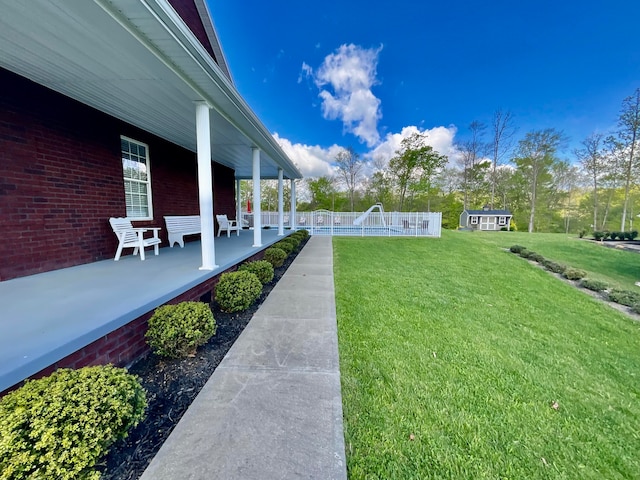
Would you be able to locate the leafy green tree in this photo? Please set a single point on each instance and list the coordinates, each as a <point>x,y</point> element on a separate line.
<point>628,137</point>
<point>323,193</point>
<point>414,166</point>
<point>536,154</point>
<point>349,170</point>
<point>592,159</point>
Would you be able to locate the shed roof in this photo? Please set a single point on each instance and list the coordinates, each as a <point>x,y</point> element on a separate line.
<point>505,213</point>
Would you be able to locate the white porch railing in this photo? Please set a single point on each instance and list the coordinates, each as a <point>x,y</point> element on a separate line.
<point>373,224</point>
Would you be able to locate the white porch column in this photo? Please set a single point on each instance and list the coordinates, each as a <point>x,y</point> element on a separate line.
<point>238,204</point>
<point>293,205</point>
<point>257,208</point>
<point>205,186</point>
<point>280,202</point>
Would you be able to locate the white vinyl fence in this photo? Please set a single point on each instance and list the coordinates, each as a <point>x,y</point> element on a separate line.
<point>361,224</point>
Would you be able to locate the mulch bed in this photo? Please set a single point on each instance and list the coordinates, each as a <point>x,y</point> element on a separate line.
<point>172,385</point>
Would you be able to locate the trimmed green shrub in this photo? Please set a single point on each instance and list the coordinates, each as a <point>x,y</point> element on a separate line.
<point>524,253</point>
<point>536,257</point>
<point>303,232</point>
<point>553,266</point>
<point>628,236</point>
<point>178,330</point>
<point>582,233</point>
<point>275,256</point>
<point>624,297</point>
<point>286,246</point>
<point>61,425</point>
<point>516,248</point>
<point>613,235</point>
<point>574,273</point>
<point>295,240</point>
<point>595,285</point>
<point>236,291</point>
<point>600,235</point>
<point>260,268</point>
<point>634,234</point>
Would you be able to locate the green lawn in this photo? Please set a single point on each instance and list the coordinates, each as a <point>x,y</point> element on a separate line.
<point>453,351</point>
<point>616,267</point>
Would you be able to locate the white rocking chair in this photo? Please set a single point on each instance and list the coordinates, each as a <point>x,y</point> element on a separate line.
<point>229,225</point>
<point>130,237</point>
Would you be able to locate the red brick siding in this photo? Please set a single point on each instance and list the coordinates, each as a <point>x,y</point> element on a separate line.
<point>61,180</point>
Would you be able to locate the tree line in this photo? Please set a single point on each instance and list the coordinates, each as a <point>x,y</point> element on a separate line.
<point>593,187</point>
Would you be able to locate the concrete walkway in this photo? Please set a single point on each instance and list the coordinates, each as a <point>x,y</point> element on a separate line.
<point>273,408</point>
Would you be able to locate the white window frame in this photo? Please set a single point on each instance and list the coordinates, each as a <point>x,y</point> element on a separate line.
<point>146,182</point>
<point>474,220</point>
<point>502,220</point>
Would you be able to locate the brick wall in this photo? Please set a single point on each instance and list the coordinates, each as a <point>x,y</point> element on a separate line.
<point>61,180</point>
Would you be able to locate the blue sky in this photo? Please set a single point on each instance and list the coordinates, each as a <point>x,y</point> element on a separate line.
<point>365,74</point>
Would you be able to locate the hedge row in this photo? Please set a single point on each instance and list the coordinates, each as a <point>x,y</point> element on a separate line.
<point>628,298</point>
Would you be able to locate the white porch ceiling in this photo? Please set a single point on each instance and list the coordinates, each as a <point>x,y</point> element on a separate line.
<point>137,61</point>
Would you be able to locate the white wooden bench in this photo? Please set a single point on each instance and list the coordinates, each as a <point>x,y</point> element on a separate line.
<point>179,226</point>
<point>130,237</point>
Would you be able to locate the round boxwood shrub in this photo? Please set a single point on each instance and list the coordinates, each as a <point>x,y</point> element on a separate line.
<point>525,253</point>
<point>286,246</point>
<point>553,266</point>
<point>516,248</point>
<point>275,256</point>
<point>236,291</point>
<point>260,268</point>
<point>61,425</point>
<point>536,257</point>
<point>595,285</point>
<point>574,273</point>
<point>303,232</point>
<point>624,297</point>
<point>295,241</point>
<point>178,330</point>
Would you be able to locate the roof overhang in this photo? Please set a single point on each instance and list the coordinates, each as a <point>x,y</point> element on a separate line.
<point>137,61</point>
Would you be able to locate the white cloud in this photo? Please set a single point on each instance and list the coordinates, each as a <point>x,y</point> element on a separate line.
<point>345,79</point>
<point>315,161</point>
<point>440,138</point>
<point>312,160</point>
<point>305,72</point>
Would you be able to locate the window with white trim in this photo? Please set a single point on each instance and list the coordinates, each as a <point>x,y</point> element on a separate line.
<point>137,179</point>
<point>474,220</point>
<point>502,220</point>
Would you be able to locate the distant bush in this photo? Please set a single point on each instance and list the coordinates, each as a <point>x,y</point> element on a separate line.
<point>553,266</point>
<point>574,273</point>
<point>536,257</point>
<point>624,297</point>
<point>634,234</point>
<point>261,269</point>
<point>236,291</point>
<point>178,330</point>
<point>275,256</point>
<point>59,426</point>
<point>516,248</point>
<point>582,233</point>
<point>524,253</point>
<point>600,235</point>
<point>635,308</point>
<point>613,235</point>
<point>595,285</point>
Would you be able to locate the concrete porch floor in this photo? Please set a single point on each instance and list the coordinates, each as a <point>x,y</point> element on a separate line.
<point>48,316</point>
